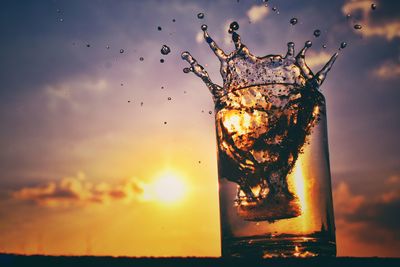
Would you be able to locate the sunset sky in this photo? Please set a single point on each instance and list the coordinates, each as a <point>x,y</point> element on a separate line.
<point>91,136</point>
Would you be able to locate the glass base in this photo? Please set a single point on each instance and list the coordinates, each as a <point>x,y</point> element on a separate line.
<point>282,247</point>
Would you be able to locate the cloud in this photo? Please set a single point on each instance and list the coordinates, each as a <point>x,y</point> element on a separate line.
<point>78,191</point>
<point>257,13</point>
<point>388,70</point>
<point>372,218</point>
<point>372,25</point>
<point>314,59</point>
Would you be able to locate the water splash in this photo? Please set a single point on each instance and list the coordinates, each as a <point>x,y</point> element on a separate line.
<point>264,111</point>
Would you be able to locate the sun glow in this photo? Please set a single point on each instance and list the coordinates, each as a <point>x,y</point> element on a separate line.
<point>167,188</point>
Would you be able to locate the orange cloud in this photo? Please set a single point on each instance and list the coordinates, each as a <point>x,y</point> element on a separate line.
<point>257,13</point>
<point>77,191</point>
<point>388,29</point>
<point>388,70</point>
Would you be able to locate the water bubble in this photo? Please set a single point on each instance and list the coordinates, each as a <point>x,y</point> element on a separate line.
<point>373,6</point>
<point>165,50</point>
<point>121,51</point>
<point>186,70</point>
<point>159,28</point>
<point>204,27</point>
<point>324,46</point>
<point>317,33</point>
<point>162,60</point>
<point>343,45</point>
<point>169,98</point>
<point>141,58</point>
<point>200,16</point>
<point>234,26</point>
<point>293,21</point>
<point>357,27</point>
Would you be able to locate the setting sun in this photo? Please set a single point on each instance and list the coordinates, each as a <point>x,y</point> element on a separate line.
<point>169,188</point>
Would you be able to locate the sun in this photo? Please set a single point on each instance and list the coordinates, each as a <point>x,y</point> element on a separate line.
<point>169,188</point>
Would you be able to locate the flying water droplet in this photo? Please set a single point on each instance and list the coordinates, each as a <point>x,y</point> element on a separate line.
<point>373,6</point>
<point>308,44</point>
<point>169,98</point>
<point>234,26</point>
<point>357,27</point>
<point>204,27</point>
<point>87,45</point>
<point>173,20</point>
<point>293,21</point>
<point>200,16</point>
<point>186,70</point>
<point>274,8</point>
<point>121,51</point>
<point>348,16</point>
<point>107,47</point>
<point>317,33</point>
<point>165,50</point>
<point>162,60</point>
<point>165,122</point>
<point>343,45</point>
<point>210,112</point>
<point>324,46</point>
<point>159,28</point>
<point>61,19</point>
<point>141,58</point>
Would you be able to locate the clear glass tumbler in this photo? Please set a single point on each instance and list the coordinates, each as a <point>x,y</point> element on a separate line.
<point>274,176</point>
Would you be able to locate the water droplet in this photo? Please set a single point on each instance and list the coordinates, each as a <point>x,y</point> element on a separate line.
<point>317,33</point>
<point>199,161</point>
<point>357,27</point>
<point>234,26</point>
<point>169,98</point>
<point>87,45</point>
<point>107,47</point>
<point>61,19</point>
<point>324,46</point>
<point>184,92</point>
<point>373,6</point>
<point>200,16</point>
<point>204,27</point>
<point>129,101</point>
<point>210,112</point>
<point>308,44</point>
<point>293,21</point>
<point>165,122</point>
<point>162,87</point>
<point>121,51</point>
<point>162,60</point>
<point>159,28</point>
<point>274,8</point>
<point>141,104</point>
<point>186,70</point>
<point>58,10</point>
<point>165,50</point>
<point>343,45</point>
<point>122,84</point>
<point>173,20</point>
<point>348,16</point>
<point>141,58</point>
